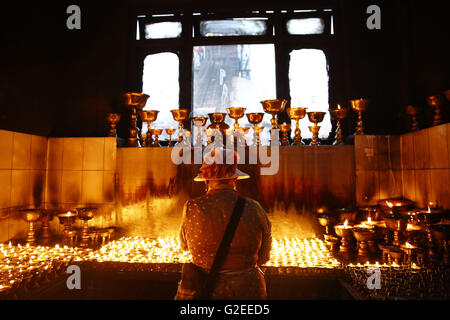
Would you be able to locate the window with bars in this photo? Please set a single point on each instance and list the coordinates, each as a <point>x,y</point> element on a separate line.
<point>207,62</point>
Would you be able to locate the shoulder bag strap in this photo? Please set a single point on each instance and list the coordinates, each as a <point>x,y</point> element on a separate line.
<point>224,246</point>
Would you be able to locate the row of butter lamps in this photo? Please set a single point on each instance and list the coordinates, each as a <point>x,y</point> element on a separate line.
<point>434,102</point>
<point>137,101</point>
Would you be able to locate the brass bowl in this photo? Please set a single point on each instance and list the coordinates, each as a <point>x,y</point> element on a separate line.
<point>441,232</point>
<point>395,223</point>
<point>199,119</point>
<point>149,115</point>
<point>180,114</point>
<point>135,99</point>
<point>236,113</point>
<point>255,117</point>
<point>396,254</point>
<point>48,214</point>
<point>112,117</point>
<point>400,206</point>
<point>296,113</point>
<point>274,106</point>
<point>156,132</point>
<point>285,127</point>
<point>432,217</point>
<point>363,234</point>
<point>316,116</point>
<point>170,131</point>
<point>339,113</point>
<point>86,213</point>
<point>217,122</point>
<point>343,232</point>
<point>67,217</point>
<point>245,129</point>
<point>412,110</point>
<point>31,215</point>
<point>434,101</point>
<point>217,117</point>
<point>359,105</point>
<point>372,212</point>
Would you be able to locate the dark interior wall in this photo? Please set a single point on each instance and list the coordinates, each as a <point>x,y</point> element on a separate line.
<point>57,82</point>
<point>403,63</point>
<point>60,82</point>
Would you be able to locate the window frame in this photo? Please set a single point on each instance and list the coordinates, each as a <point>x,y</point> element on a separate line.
<point>283,42</point>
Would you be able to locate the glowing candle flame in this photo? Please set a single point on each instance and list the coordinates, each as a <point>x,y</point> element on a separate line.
<point>390,204</point>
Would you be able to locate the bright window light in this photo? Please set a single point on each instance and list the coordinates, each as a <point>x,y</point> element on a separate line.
<point>162,30</point>
<point>161,82</point>
<point>233,27</point>
<point>306,26</point>
<point>233,76</point>
<point>308,82</point>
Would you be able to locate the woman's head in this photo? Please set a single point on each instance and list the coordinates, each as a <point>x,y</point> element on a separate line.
<point>220,165</point>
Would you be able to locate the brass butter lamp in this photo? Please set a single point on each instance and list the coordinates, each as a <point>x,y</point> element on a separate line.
<point>199,122</point>
<point>156,133</point>
<point>112,119</point>
<point>149,116</point>
<point>85,214</point>
<point>297,114</point>
<point>256,118</point>
<point>67,219</point>
<point>363,236</point>
<point>46,216</point>
<point>360,106</point>
<point>170,132</point>
<point>435,102</point>
<point>315,117</point>
<point>345,232</point>
<point>31,216</point>
<point>412,111</point>
<point>236,113</point>
<point>339,114</point>
<point>285,128</point>
<point>134,101</point>
<point>218,122</point>
<point>180,115</point>
<point>274,107</point>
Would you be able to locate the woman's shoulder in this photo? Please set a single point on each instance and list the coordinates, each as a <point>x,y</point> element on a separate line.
<point>251,203</point>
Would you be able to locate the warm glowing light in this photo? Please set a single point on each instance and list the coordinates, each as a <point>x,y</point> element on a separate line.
<point>345,223</point>
<point>409,246</point>
<point>390,204</point>
<point>17,262</point>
